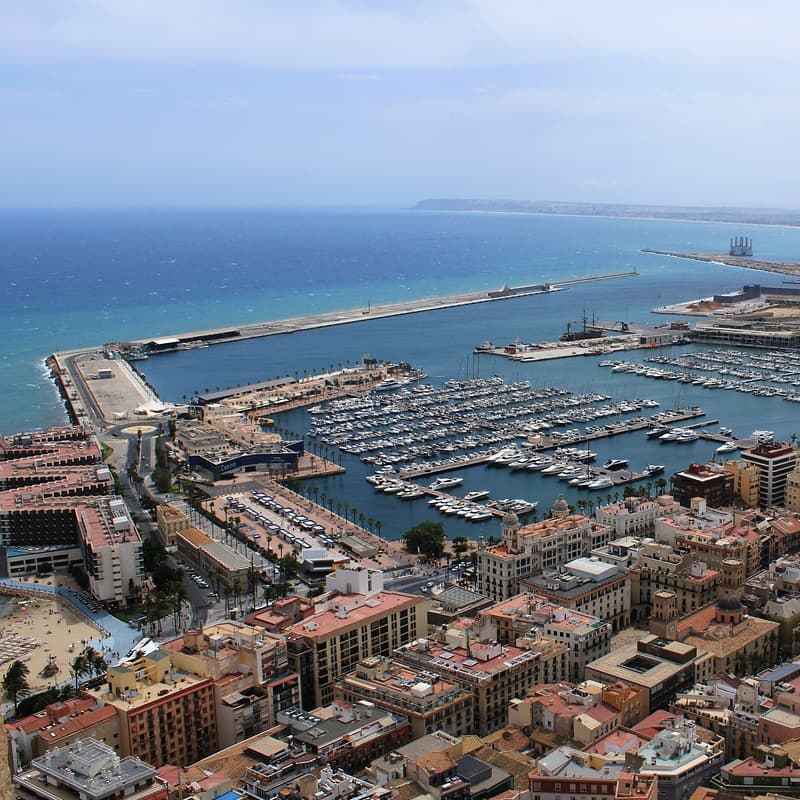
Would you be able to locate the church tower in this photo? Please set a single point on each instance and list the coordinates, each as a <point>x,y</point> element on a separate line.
<point>665,615</point>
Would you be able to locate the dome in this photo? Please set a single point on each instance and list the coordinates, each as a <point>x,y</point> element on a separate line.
<point>561,506</point>
<point>510,519</point>
<point>729,603</point>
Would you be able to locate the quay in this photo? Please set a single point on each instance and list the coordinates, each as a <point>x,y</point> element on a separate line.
<point>210,336</point>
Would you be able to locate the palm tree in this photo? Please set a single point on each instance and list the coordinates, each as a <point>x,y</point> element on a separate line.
<point>378,526</point>
<point>15,682</point>
<point>94,661</point>
<point>361,518</point>
<point>79,667</point>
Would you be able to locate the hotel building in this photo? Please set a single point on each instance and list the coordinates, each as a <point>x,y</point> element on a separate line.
<point>360,620</point>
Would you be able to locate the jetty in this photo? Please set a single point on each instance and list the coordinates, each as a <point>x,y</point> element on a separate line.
<point>196,339</point>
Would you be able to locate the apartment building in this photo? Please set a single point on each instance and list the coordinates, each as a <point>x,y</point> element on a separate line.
<point>530,616</point>
<point>588,585</point>
<point>774,463</point>
<point>358,620</point>
<point>493,672</point>
<point>429,701</point>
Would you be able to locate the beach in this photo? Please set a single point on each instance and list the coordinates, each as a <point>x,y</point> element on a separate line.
<point>37,629</point>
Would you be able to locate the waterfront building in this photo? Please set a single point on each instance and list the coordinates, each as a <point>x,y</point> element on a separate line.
<point>774,462</point>
<point>588,585</point>
<point>359,620</point>
<point>712,482</point>
<point>529,616</point>
<point>531,549</point>
<point>89,770</point>
<point>347,736</point>
<point>99,527</point>
<point>428,700</point>
<point>658,667</point>
<point>746,481</point>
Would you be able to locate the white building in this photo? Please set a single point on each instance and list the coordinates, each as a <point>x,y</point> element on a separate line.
<point>112,550</point>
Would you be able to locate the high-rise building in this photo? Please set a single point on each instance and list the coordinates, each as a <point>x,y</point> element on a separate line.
<point>358,621</point>
<point>774,461</point>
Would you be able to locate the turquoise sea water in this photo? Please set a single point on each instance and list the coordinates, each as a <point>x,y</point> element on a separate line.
<point>87,277</point>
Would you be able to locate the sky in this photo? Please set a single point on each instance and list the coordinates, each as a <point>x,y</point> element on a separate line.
<point>371,102</point>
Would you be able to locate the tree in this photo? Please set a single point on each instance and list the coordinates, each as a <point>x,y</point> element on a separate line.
<point>426,539</point>
<point>95,662</point>
<point>378,526</point>
<point>79,667</point>
<point>289,565</point>
<point>15,682</point>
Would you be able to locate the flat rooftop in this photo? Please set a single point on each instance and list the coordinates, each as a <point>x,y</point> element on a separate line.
<point>359,609</point>
<point>92,768</point>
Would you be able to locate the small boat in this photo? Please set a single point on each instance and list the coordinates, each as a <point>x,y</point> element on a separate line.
<point>616,463</point>
<point>601,483</point>
<point>728,447</point>
<point>654,469</point>
<point>446,483</point>
<point>479,495</point>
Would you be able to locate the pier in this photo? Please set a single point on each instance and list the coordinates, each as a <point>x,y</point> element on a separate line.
<point>193,339</point>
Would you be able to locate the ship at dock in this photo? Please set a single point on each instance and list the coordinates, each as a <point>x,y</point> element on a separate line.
<point>586,331</point>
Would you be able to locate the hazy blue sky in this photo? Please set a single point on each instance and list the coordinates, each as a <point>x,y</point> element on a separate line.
<point>123,102</point>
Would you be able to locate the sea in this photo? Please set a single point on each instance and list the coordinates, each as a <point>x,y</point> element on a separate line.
<point>74,278</point>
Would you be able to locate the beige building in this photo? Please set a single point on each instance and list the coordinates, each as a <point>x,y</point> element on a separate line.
<point>792,501</point>
<point>746,481</point>
<point>227,570</point>
<point>359,620</point>
<point>170,521</point>
<point>530,617</point>
<point>495,673</point>
<point>431,702</point>
<point>205,690</point>
<point>658,667</point>
<point>531,549</point>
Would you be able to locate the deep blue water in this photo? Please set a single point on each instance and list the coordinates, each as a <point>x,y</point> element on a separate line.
<point>73,278</point>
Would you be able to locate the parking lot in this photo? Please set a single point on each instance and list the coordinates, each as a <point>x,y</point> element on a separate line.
<point>284,523</point>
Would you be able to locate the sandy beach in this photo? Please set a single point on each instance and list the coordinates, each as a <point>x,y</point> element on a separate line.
<point>37,629</point>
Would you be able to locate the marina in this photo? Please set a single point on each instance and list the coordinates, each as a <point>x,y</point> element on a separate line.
<point>426,431</point>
